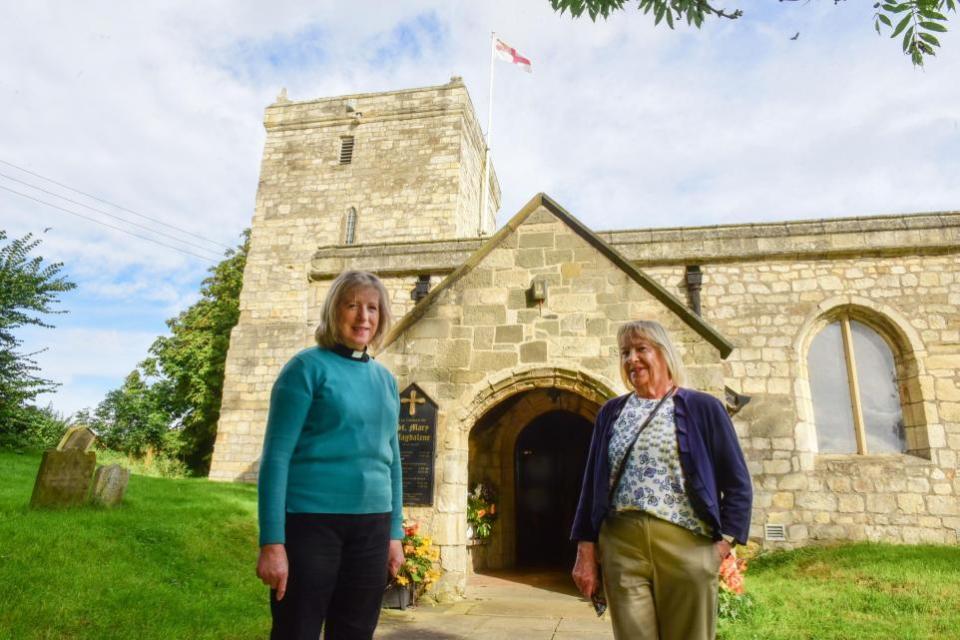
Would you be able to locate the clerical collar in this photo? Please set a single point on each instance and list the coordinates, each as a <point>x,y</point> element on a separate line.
<point>347,352</point>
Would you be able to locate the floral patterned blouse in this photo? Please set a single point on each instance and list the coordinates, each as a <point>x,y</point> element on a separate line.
<point>652,480</point>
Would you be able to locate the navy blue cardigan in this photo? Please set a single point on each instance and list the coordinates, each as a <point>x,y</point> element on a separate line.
<point>717,480</point>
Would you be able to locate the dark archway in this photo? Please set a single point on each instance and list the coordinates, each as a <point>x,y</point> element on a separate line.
<point>550,456</point>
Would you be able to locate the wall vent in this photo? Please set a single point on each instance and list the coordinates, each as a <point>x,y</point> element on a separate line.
<point>775,532</point>
<point>346,149</point>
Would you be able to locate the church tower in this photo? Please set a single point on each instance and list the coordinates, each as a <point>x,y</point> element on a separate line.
<point>370,170</point>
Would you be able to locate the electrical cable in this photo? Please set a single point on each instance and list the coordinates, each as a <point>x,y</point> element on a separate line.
<point>122,208</point>
<point>122,230</point>
<point>115,217</point>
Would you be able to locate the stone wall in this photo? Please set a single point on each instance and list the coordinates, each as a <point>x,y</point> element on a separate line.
<point>481,341</point>
<point>770,289</point>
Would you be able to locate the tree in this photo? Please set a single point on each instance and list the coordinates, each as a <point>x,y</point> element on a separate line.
<point>134,418</point>
<point>170,403</point>
<point>193,357</point>
<point>917,20</point>
<point>28,291</point>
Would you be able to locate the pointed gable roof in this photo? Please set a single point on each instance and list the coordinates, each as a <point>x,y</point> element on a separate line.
<point>695,322</point>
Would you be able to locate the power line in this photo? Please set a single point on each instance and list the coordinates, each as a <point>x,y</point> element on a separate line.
<point>108,214</point>
<point>122,208</point>
<point>122,230</point>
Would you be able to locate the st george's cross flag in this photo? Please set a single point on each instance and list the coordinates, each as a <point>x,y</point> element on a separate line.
<point>508,53</point>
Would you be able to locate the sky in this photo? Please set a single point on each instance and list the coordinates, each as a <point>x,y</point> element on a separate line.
<point>156,108</point>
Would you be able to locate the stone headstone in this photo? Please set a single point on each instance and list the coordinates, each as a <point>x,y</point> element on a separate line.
<point>76,438</point>
<point>64,478</point>
<point>109,485</point>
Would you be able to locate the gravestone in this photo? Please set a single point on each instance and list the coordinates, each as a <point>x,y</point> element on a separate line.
<point>417,434</point>
<point>64,478</point>
<point>79,438</point>
<point>65,472</point>
<point>109,485</point>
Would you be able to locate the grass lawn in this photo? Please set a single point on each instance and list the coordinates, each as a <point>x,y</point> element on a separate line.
<point>176,560</point>
<point>857,591</point>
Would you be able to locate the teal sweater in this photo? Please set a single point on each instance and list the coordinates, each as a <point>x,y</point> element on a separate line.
<point>331,442</point>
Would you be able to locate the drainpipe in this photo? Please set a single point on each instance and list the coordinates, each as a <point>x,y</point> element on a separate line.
<point>694,278</point>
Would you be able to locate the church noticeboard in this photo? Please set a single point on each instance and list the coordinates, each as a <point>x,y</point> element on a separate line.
<point>418,446</point>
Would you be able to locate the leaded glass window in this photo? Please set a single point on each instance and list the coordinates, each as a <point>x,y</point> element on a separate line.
<point>854,388</point>
<point>350,227</point>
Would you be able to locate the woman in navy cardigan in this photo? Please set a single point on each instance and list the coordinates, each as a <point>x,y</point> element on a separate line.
<point>661,527</point>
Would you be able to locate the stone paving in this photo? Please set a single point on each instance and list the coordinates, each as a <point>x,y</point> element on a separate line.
<point>502,605</point>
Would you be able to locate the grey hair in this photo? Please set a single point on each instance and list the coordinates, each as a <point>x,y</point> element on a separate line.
<point>327,333</point>
<point>654,333</point>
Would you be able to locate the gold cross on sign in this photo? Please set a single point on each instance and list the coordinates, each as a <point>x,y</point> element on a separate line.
<point>413,401</point>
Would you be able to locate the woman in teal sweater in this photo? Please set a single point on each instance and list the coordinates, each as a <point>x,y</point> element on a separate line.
<point>330,486</point>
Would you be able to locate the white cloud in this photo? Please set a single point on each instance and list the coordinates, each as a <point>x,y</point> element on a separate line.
<point>86,362</point>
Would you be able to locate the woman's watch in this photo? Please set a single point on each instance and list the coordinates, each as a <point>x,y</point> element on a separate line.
<point>730,540</point>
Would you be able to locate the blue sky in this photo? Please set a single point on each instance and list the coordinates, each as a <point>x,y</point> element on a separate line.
<point>159,108</point>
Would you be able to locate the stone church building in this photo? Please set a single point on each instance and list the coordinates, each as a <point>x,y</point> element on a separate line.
<point>834,343</point>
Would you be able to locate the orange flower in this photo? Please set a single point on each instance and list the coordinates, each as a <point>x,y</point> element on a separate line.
<point>481,513</point>
<point>731,574</point>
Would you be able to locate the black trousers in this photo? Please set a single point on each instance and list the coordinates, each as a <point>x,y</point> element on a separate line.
<point>338,572</point>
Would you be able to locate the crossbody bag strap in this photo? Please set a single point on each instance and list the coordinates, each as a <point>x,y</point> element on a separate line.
<point>626,456</point>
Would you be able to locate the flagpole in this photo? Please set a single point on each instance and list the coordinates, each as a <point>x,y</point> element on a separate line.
<point>484,186</point>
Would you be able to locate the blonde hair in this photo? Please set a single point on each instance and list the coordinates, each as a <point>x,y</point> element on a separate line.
<point>327,334</point>
<point>654,333</point>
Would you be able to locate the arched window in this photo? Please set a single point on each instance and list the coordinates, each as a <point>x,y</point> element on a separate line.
<point>854,387</point>
<point>350,226</point>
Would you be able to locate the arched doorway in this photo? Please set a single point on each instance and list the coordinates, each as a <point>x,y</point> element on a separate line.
<point>550,456</point>
<point>543,417</point>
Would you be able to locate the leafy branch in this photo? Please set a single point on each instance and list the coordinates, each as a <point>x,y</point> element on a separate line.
<point>921,19</point>
<point>694,11</point>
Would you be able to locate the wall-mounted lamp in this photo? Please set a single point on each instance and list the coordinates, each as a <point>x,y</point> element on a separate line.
<point>421,289</point>
<point>538,291</point>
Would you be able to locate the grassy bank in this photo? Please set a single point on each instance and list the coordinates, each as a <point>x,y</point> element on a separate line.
<point>858,591</point>
<point>176,560</point>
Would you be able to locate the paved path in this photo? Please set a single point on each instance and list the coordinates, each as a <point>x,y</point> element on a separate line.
<point>501,606</point>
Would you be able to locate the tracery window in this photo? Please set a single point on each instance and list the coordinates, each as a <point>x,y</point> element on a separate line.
<point>855,392</point>
<point>350,226</point>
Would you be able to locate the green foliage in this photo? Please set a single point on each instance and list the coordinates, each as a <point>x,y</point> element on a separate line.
<point>192,359</point>
<point>35,428</point>
<point>919,19</point>
<point>419,567</point>
<point>155,466</point>
<point>693,11</point>
<point>735,607</point>
<point>169,406</point>
<point>916,19</point>
<point>28,292</point>
<point>482,510</point>
<point>134,419</point>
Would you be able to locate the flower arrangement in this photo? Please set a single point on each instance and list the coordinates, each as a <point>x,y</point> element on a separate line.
<point>481,511</point>
<point>735,602</point>
<point>420,555</point>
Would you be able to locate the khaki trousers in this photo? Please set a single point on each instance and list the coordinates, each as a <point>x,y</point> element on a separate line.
<point>660,579</point>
